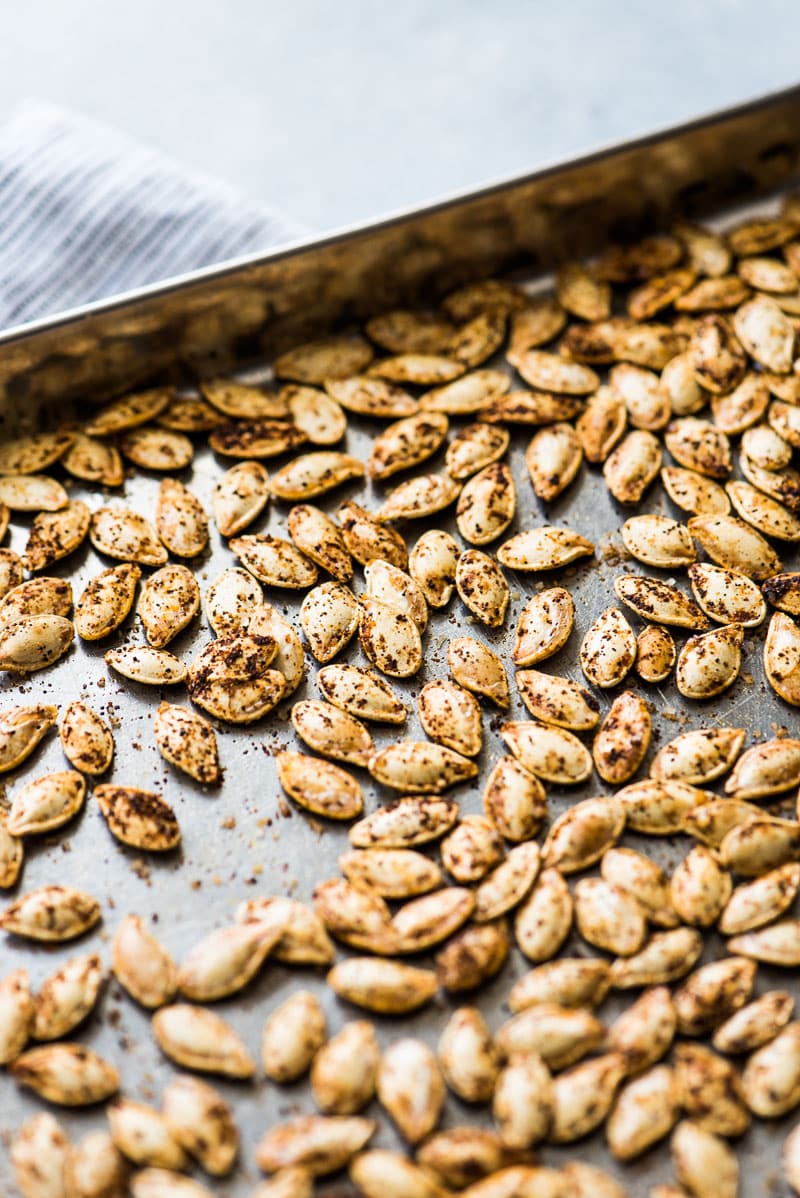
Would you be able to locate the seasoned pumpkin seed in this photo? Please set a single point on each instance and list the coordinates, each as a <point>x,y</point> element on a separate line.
<point>698,756</point>
<point>345,1070</point>
<point>582,834</point>
<point>623,738</point>
<point>655,653</point>
<point>608,649</point>
<point>168,602</point>
<point>658,600</point>
<point>54,535</point>
<point>314,474</point>
<point>545,624</point>
<point>66,1074</point>
<point>474,448</point>
<point>329,616</point>
<point>332,732</point>
<point>554,700</point>
<point>708,664</point>
<point>631,467</point>
<point>67,997</point>
<point>181,520</point>
<point>293,1034</point>
<point>418,497</point>
<point>319,786</point>
<point>515,800</point>
<point>543,548</point>
<point>361,693</point>
<point>477,668</point>
<point>408,443</point>
<point>551,753</point>
<point>432,564</point>
<point>142,965</point>
<point>200,1039</point>
<point>386,987</point>
<point>46,803</point>
<point>188,742</point>
<point>274,561</point>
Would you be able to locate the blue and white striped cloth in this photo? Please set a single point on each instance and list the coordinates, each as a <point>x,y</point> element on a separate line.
<point>87,213</point>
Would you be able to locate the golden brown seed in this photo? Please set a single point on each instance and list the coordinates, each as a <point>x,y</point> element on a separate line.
<point>472,848</point>
<point>418,767</point>
<point>560,1035</point>
<point>329,616</point>
<point>38,1155</point>
<point>181,520</point>
<point>601,424</point>
<point>553,457</point>
<point>636,874</point>
<point>241,401</point>
<point>771,1077</point>
<point>474,448</point>
<point>168,602</point>
<point>142,1135</point>
<point>631,467</point>
<point>241,702</point>
<point>314,474</point>
<point>473,956</point>
<point>779,944</point>
<point>477,668</point>
<point>292,1034</point>
<point>129,412</point>
<point>623,739</point>
<point>94,461</point>
<point>122,533</point>
<point>467,1056</point>
<point>583,1096</point>
<point>754,1024</point>
<point>658,600</point>
<point>608,918</point>
<point>757,903</point>
<point>558,701</point>
<point>429,920</point>
<point>17,1009</point>
<point>166,1183</point>
<point>582,294</point>
<point>545,624</point>
<point>398,590</point>
<point>66,1074</point>
<point>188,742</point>
<point>55,535</point>
<point>700,888</point>
<point>710,1090</point>
<point>755,847</point>
<point>106,601</point>
<point>608,649</point>
<point>366,538</point>
<point>345,1070</point>
<point>224,961</point>
<point>386,987</point>
<point>461,1155</point>
<point>717,356</point>
<point>142,965</point>
<point>766,333</point>
<point>522,1102</point>
<point>658,541</point>
<point>255,438</point>
<point>316,535</point>
<point>703,1162</point>
<point>741,408</point>
<point>46,803</point>
<point>568,982</point>
<point>712,993</point>
<point>319,786</point>
<point>646,401</point>
<point>432,565</point>
<point>51,913</point>
<point>274,561</point>
<point>698,756</point>
<point>645,1111</point>
<point>644,1032</point>
<point>240,497</point>
<point>202,1123</point>
<point>583,833</point>
<point>544,921</point>
<point>655,653</point>
<point>451,716</point>
<point>708,664</point>
<point>733,544</point>
<point>200,1039</point>
<point>393,873</point>
<point>390,639</point>
<point>303,940</point>
<point>515,800</point>
<point>32,643</point>
<point>411,1088</point>
<point>409,821</point>
<point>332,732</point>
<point>37,597</point>
<point>553,754</point>
<point>138,818</point>
<point>543,548</point>
<point>355,914</point>
<point>660,808</point>
<point>94,1168</point>
<point>666,957</point>
<point>361,693</point>
<point>782,657</point>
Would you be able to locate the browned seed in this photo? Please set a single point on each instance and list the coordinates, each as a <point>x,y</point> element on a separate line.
<point>138,818</point>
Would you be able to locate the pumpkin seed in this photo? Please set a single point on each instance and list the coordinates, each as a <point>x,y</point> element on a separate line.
<point>165,1183</point>
<point>467,394</point>
<point>181,520</point>
<point>37,597</point>
<point>459,1155</point>
<point>424,370</point>
<point>472,848</point>
<point>409,332</point>
<point>474,448</point>
<point>700,888</point>
<point>289,659</point>
<point>700,446</point>
<point>655,653</point>
<point>202,1123</point>
<point>51,913</point>
<point>758,845</point>
<point>544,920</point>
<point>390,639</point>
<point>34,452</point>
<point>609,918</point>
<point>255,438</point>
<point>637,875</point>
<point>12,853</point>
<point>154,448</point>
<point>169,601</point>
<point>545,624</point>
<point>482,587</point>
<point>426,921</point>
<point>329,357</point>
<point>11,569</point>
<point>644,1032</point>
<point>658,541</point>
<point>407,443</point>
<point>779,944</point>
<point>582,294</point>
<point>374,397</point>
<point>314,474</point>
<point>240,401</point>
<point>418,497</point>
<point>754,1024</point>
<point>659,808</point>
<point>608,649</point>
<point>451,716</point>
<point>142,965</point>
<point>106,601</point>
<point>411,1088</point>
<point>38,1156</point>
<point>367,539</point>
<point>230,601</point>
<point>386,987</point>
<point>763,513</point>
<point>361,693</point>
<point>274,561</point>
<point>765,448</point>
<point>686,396</point>
<point>318,417</point>
<point>332,732</point>
<point>551,753</point>
<point>345,1070</point>
<point>200,1039</point>
<point>316,535</point>
<point>550,372</point>
<point>703,1162</point>
<point>467,1056</point>
<point>46,803</point>
<point>646,402</point>
<point>515,800</point>
<point>631,467</point>
<point>666,957</point>
<point>240,702</point>
<point>706,250</point>
<point>31,643</point>
<point>487,295</point>
<point>138,818</point>
<point>54,535</point>
<point>188,742</point>
<point>559,1035</point>
<point>781,485</point>
<point>782,657</point>
<point>303,940</point>
<point>522,1102</point>
<point>189,414</point>
<point>319,786</point>
<point>583,1096</point>
<point>623,738</point>
<point>32,493</point>
<point>757,903</point>
<point>553,458</point>
<point>698,756</point>
<point>554,700</point>
<point>432,565</point>
<point>393,873</point>
<point>123,534</point>
<point>709,1091</point>
<point>66,1074</point>
<point>658,600</point>
<point>740,409</point>
<point>405,822</point>
<point>67,997</point>
<point>718,358</point>
<point>708,664</point>
<point>17,1009</point>
<point>94,462</point>
<point>530,407</point>
<point>508,884</point>
<point>146,665</point>
<point>660,291</point>
<point>694,492</point>
<point>293,1034</point>
<point>645,1111</point>
<point>568,982</point>
<point>543,548</point>
<point>486,505</point>
<point>766,769</point>
<point>223,962</point>
<point>240,497</point>
<point>726,595</point>
<point>581,835</point>
<point>329,616</point>
<point>766,333</point>
<point>771,1077</point>
<point>601,424</point>
<point>396,589</point>
<point>477,668</point>
<point>129,412</point>
<point>381,1172</point>
<point>712,993</point>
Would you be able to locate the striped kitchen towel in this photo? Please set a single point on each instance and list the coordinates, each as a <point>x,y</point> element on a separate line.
<point>86,213</point>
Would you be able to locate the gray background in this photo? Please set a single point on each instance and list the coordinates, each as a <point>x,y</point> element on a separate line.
<point>337,112</point>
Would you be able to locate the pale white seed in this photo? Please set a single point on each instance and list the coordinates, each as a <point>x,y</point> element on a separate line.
<point>46,803</point>
<point>51,913</point>
<point>66,1074</point>
<point>200,1039</point>
<point>645,1111</point>
<point>704,1163</point>
<point>202,1123</point>
<point>544,920</point>
<point>411,1088</point>
<point>609,918</point>
<point>142,965</point>
<point>478,668</point>
<point>543,548</point>
<point>345,1070</point>
<point>292,1035</point>
<point>319,786</point>
<point>559,1035</point>
<point>418,767</point>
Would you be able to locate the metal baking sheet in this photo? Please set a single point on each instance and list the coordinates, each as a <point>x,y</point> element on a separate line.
<point>242,840</point>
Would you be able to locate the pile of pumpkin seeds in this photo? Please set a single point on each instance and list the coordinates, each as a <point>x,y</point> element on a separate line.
<point>697,336</point>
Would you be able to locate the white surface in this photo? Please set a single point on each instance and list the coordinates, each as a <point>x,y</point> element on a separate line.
<point>337,112</point>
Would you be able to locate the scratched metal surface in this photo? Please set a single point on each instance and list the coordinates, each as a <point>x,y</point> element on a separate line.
<point>237,842</point>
